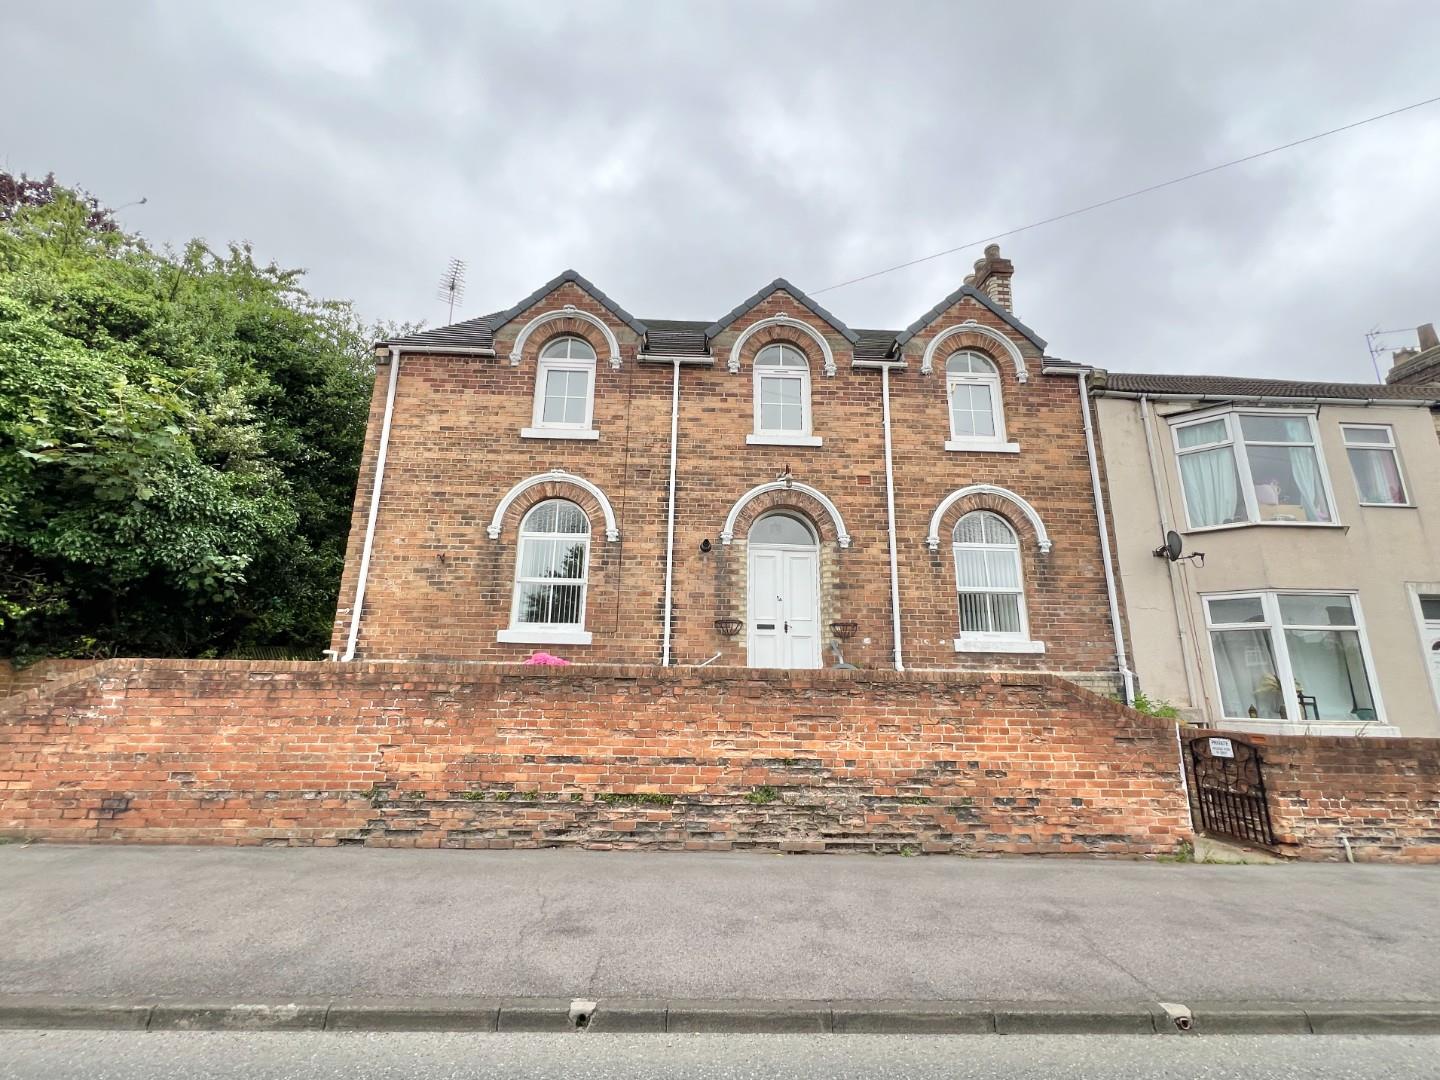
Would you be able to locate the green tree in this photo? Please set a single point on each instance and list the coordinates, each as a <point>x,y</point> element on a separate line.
<point>179,438</point>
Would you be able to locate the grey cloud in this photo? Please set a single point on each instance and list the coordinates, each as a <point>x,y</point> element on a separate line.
<point>682,154</point>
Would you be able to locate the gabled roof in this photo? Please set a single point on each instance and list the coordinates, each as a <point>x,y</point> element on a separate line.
<point>776,286</point>
<point>1240,388</point>
<point>980,297</point>
<point>553,284</point>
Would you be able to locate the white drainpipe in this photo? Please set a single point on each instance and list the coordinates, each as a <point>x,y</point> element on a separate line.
<point>1126,675</point>
<point>890,521</point>
<point>374,508</point>
<point>670,522</point>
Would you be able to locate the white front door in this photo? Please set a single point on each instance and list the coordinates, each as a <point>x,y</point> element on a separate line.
<point>1432,648</point>
<point>784,607</point>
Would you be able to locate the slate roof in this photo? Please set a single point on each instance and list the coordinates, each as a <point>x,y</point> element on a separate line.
<point>981,298</point>
<point>676,337</point>
<point>1236,387</point>
<point>775,286</point>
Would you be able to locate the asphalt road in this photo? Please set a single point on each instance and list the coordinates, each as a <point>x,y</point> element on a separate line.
<point>98,1056</point>
<point>266,923</point>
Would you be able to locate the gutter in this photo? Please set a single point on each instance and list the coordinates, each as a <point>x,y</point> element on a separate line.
<point>890,514</point>
<point>1127,676</point>
<point>670,512</point>
<point>359,604</point>
<point>440,350</point>
<point>1267,399</point>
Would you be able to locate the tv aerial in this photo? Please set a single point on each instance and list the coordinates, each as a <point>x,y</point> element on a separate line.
<point>452,285</point>
<point>1173,549</point>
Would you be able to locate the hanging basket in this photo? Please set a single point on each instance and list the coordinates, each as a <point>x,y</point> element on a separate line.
<point>729,626</point>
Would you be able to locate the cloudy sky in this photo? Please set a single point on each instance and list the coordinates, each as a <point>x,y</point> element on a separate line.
<point>682,154</point>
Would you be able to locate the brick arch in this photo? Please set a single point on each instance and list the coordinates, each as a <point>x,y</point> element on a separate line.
<point>1021,516</point>
<point>556,484</point>
<point>966,342</point>
<point>785,328</point>
<point>565,322</point>
<point>983,339</point>
<point>781,335</point>
<point>778,495</point>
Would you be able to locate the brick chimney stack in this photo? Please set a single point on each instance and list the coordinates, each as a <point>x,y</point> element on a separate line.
<point>1420,365</point>
<point>992,277</point>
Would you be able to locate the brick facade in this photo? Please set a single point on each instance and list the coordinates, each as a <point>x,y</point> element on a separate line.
<point>474,755</point>
<point>1382,795</point>
<point>440,589</point>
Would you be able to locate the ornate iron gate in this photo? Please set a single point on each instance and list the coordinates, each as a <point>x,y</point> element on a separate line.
<point>1230,789</point>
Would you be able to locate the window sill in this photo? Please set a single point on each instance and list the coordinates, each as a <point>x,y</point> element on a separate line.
<point>782,440</point>
<point>559,433</point>
<point>1390,506</point>
<point>1268,525</point>
<point>538,635</point>
<point>997,645</point>
<point>1367,729</point>
<point>961,446</point>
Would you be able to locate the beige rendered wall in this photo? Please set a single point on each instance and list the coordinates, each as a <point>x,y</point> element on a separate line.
<point>1378,553</point>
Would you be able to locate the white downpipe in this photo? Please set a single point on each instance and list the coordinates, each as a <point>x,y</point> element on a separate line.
<point>890,522</point>
<point>1178,592</point>
<point>374,508</point>
<point>670,513</point>
<point>1126,675</point>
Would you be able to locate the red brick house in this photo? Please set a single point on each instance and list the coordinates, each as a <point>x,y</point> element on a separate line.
<point>542,478</point>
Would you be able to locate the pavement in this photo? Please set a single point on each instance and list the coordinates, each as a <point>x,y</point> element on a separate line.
<point>173,1056</point>
<point>494,937</point>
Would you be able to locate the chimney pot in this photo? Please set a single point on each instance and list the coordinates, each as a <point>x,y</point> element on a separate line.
<point>1428,340</point>
<point>992,250</point>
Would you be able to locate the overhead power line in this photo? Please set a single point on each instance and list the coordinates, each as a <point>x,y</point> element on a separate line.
<point>1128,195</point>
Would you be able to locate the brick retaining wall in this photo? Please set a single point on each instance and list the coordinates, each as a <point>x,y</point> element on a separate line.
<point>465,755</point>
<point>1382,795</point>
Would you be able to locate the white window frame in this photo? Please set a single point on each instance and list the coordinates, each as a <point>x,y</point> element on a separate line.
<point>985,443</point>
<point>1294,722</point>
<point>760,436</point>
<point>548,633</point>
<point>540,429</point>
<point>1390,445</point>
<point>993,642</point>
<point>1235,439</point>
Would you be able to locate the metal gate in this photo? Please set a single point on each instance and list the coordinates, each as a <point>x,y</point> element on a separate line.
<point>1230,789</point>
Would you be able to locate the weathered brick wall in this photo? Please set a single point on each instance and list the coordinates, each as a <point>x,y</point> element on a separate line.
<point>440,589</point>
<point>1382,795</point>
<point>16,680</point>
<point>464,755</point>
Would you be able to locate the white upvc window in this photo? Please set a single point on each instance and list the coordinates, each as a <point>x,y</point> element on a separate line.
<point>782,398</point>
<point>1292,658</point>
<point>990,586</point>
<point>1375,461</point>
<point>564,392</point>
<point>977,413</point>
<point>1242,467</point>
<point>551,573</point>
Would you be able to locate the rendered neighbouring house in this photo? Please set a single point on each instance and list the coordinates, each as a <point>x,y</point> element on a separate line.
<point>923,498</point>
<point>1317,607</point>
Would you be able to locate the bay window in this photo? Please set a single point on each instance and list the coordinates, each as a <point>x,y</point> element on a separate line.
<point>1260,467</point>
<point>1293,657</point>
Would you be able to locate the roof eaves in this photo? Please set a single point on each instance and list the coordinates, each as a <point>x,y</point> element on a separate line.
<point>584,283</point>
<point>776,286</point>
<point>980,297</point>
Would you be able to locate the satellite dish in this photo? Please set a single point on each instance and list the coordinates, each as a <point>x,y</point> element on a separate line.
<point>1171,548</point>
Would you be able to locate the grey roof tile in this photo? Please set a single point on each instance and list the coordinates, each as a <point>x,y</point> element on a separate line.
<point>983,299</point>
<point>1238,387</point>
<point>775,286</point>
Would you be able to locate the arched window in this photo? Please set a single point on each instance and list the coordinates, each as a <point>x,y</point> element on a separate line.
<point>551,568</point>
<point>782,396</point>
<point>565,390</point>
<point>972,385</point>
<point>988,577</point>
